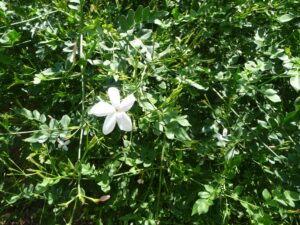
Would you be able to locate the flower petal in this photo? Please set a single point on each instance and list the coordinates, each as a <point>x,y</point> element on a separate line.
<point>127,103</point>
<point>124,121</point>
<point>102,109</point>
<point>109,124</point>
<point>114,96</point>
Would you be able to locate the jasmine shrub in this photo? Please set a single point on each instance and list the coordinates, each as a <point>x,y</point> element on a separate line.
<point>149,112</point>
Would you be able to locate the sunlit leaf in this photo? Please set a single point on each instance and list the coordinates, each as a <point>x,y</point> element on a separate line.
<point>285,18</point>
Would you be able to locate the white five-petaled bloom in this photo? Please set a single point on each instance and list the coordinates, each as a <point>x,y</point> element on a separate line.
<point>114,112</point>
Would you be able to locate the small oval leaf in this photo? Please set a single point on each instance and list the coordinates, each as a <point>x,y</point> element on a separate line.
<point>285,18</point>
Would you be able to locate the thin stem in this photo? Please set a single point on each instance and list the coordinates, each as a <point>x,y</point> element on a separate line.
<point>33,131</point>
<point>82,99</point>
<point>43,211</point>
<point>242,201</point>
<point>31,19</point>
<point>73,212</point>
<point>160,180</point>
<point>82,68</point>
<point>82,72</point>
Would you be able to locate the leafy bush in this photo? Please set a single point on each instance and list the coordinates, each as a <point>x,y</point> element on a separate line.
<point>212,137</point>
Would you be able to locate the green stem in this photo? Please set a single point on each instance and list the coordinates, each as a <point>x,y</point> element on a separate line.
<point>82,100</point>
<point>73,212</point>
<point>82,71</point>
<point>31,19</point>
<point>33,131</point>
<point>243,201</point>
<point>160,180</point>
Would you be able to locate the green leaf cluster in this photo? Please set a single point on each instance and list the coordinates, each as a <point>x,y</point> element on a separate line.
<point>215,136</point>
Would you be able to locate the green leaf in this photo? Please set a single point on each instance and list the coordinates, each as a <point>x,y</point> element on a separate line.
<point>297,104</point>
<point>139,14</point>
<point>146,105</point>
<point>43,118</point>
<point>169,133</point>
<point>204,194</point>
<point>13,199</point>
<point>209,188</point>
<point>182,135</point>
<point>237,191</point>
<point>285,18</point>
<point>3,6</point>
<point>295,82</point>
<point>266,194</point>
<point>65,121</point>
<point>43,137</point>
<point>5,59</point>
<point>291,116</point>
<point>104,182</point>
<point>26,113</point>
<point>123,23</point>
<point>146,13</point>
<point>10,37</point>
<point>38,137</point>
<point>294,195</point>
<point>36,115</point>
<point>47,72</point>
<point>157,15</point>
<point>32,139</point>
<point>130,18</point>
<point>201,206</point>
<point>272,95</point>
<point>231,154</point>
<point>87,169</point>
<point>195,85</point>
<point>183,121</point>
<point>289,199</point>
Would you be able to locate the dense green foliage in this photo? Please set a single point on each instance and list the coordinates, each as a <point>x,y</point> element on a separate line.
<point>215,136</point>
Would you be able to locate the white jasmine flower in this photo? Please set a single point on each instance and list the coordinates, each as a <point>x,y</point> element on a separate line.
<point>225,132</point>
<point>222,138</point>
<point>63,144</point>
<point>114,112</point>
